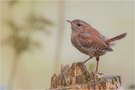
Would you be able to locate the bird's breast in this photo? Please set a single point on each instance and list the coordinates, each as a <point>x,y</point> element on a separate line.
<point>76,44</point>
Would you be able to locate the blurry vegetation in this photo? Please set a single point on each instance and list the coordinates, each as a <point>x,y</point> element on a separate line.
<point>20,38</point>
<point>91,67</point>
<point>12,2</point>
<point>131,87</point>
<point>39,23</point>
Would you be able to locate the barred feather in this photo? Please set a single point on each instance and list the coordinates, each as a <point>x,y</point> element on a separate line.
<point>116,38</point>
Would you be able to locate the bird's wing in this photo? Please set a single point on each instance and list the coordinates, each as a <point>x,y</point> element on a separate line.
<point>93,42</point>
<point>97,33</point>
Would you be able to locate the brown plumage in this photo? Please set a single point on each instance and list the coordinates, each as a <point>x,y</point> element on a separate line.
<point>116,38</point>
<point>89,41</point>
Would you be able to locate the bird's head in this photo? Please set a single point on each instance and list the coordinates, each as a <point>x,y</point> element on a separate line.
<point>78,25</point>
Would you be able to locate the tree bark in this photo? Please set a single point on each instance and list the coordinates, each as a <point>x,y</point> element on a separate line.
<point>78,77</point>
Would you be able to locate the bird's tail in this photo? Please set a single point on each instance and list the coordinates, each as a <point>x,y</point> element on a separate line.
<point>109,41</point>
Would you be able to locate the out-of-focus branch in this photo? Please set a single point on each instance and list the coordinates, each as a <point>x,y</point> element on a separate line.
<point>59,36</point>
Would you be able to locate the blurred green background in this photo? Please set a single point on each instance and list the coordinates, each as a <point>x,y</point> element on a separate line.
<point>35,39</point>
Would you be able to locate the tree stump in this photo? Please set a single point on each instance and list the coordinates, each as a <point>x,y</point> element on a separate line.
<point>78,77</point>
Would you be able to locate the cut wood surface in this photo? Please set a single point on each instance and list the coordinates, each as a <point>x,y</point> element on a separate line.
<point>77,77</point>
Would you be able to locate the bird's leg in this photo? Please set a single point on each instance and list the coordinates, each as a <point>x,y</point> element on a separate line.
<point>87,60</point>
<point>97,59</point>
<point>96,71</point>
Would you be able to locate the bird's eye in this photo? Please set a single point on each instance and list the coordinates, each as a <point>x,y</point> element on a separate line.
<point>78,24</point>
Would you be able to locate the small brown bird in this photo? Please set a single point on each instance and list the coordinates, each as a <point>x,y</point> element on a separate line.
<point>89,41</point>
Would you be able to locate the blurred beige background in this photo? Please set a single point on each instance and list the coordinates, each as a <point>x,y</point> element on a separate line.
<point>35,67</point>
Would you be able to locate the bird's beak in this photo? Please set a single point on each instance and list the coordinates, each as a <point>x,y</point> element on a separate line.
<point>69,21</point>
